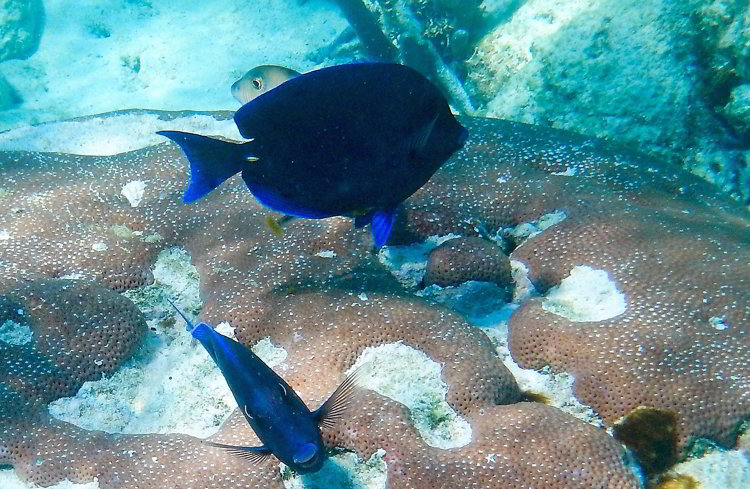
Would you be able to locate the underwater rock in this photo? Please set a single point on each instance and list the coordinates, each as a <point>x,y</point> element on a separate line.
<point>655,75</point>
<point>737,109</point>
<point>320,294</point>
<point>9,96</point>
<point>21,25</point>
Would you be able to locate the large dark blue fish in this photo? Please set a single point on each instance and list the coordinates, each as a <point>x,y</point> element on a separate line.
<point>351,140</point>
<point>276,413</point>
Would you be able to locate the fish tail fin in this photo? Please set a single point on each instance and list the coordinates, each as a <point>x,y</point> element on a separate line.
<point>202,332</point>
<point>205,334</point>
<point>212,161</point>
<point>189,327</point>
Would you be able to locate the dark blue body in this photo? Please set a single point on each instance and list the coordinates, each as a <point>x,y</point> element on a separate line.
<point>278,416</point>
<point>350,140</point>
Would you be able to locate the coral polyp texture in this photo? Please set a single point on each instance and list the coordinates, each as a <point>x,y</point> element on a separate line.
<point>319,292</point>
<point>470,258</point>
<point>65,333</point>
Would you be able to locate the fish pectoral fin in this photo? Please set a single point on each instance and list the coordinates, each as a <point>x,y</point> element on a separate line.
<point>254,455</point>
<point>277,225</point>
<point>331,411</point>
<point>382,225</point>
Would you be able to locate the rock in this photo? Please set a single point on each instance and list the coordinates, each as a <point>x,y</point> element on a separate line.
<point>654,75</point>
<point>21,25</point>
<point>738,108</point>
<point>9,96</point>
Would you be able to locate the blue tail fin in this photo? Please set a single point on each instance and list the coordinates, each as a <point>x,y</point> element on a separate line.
<point>212,161</point>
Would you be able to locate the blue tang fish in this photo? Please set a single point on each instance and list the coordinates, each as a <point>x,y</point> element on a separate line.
<point>351,140</point>
<point>276,413</point>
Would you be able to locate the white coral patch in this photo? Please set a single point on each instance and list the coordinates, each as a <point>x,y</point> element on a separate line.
<point>718,470</point>
<point>272,355</point>
<point>409,263</point>
<point>719,322</point>
<point>10,480</point>
<point>99,246</point>
<point>410,377</point>
<point>326,254</point>
<point>344,470</point>
<point>4,235</point>
<point>134,191</point>
<point>13,333</point>
<point>171,385</point>
<point>587,294</point>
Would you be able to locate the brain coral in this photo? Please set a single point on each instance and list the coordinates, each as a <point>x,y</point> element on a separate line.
<point>75,332</point>
<point>678,251</point>
<point>471,258</point>
<point>318,292</point>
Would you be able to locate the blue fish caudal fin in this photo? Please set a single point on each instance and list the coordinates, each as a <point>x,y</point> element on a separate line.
<point>203,333</point>
<point>382,224</point>
<point>212,161</point>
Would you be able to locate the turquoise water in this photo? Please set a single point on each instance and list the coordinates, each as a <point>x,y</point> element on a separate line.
<point>579,266</point>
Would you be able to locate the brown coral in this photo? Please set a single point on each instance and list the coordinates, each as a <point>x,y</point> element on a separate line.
<point>318,292</point>
<point>78,331</point>
<point>469,258</point>
<point>675,248</point>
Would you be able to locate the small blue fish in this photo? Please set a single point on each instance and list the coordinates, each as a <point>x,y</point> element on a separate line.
<point>276,413</point>
<point>350,140</point>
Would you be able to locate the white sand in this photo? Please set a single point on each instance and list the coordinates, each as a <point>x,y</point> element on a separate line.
<point>187,54</point>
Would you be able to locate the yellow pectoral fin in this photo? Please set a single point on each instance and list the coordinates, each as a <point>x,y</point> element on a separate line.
<point>274,226</point>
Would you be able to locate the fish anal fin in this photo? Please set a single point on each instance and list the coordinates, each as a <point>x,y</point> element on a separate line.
<point>382,225</point>
<point>335,407</point>
<point>362,219</point>
<point>254,455</point>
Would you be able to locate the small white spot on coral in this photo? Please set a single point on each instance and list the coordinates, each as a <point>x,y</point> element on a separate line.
<point>226,329</point>
<point>570,172</point>
<point>719,322</point>
<point>326,254</point>
<point>133,191</point>
<point>99,246</point>
<point>4,235</point>
<point>13,333</point>
<point>271,354</point>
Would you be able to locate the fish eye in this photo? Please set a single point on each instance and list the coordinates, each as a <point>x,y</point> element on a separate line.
<point>258,83</point>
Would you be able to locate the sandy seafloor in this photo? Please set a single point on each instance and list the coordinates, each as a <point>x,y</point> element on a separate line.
<point>79,71</point>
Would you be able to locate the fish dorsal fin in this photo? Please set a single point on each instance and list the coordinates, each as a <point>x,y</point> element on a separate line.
<point>335,407</point>
<point>382,224</point>
<point>254,455</point>
<point>419,140</point>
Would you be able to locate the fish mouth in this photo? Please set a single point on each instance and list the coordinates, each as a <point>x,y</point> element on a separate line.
<point>307,455</point>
